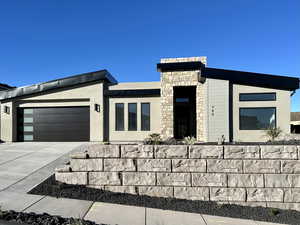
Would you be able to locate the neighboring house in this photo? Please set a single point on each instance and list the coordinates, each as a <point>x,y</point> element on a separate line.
<point>295,122</point>
<point>191,99</point>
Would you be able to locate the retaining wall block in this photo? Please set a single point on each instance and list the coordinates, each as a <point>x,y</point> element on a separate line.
<point>224,166</point>
<point>285,206</point>
<point>72,178</point>
<point>264,194</point>
<point>79,155</point>
<point>209,179</point>
<point>137,151</point>
<point>282,180</point>
<point>292,195</point>
<point>119,165</point>
<point>192,193</point>
<point>205,151</point>
<point>279,152</point>
<point>174,179</point>
<point>154,165</point>
<point>228,194</point>
<point>165,192</point>
<point>188,165</point>
<point>103,151</point>
<point>241,152</point>
<point>138,178</point>
<point>290,166</point>
<point>245,180</point>
<point>87,165</point>
<point>171,151</point>
<point>261,166</point>
<point>104,178</point>
<point>121,189</point>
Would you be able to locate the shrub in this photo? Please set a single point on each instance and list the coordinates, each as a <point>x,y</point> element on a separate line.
<point>153,139</point>
<point>189,140</point>
<point>272,133</point>
<point>170,141</point>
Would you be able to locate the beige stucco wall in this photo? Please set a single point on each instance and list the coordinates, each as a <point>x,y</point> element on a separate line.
<point>86,95</point>
<point>282,105</point>
<point>134,135</point>
<point>135,85</point>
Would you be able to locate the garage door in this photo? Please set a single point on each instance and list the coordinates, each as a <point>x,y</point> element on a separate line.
<point>54,124</point>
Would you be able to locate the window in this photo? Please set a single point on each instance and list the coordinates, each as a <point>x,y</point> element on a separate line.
<point>182,100</point>
<point>257,118</point>
<point>258,97</point>
<point>145,116</point>
<point>119,116</point>
<point>132,116</point>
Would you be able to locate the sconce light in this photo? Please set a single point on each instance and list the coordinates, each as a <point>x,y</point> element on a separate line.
<point>97,107</point>
<point>6,109</point>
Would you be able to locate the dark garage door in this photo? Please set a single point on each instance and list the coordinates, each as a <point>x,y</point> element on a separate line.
<point>54,124</point>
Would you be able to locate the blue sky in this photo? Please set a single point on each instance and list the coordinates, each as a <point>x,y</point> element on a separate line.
<point>45,40</point>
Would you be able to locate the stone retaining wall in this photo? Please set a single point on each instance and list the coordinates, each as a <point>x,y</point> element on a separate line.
<point>267,175</point>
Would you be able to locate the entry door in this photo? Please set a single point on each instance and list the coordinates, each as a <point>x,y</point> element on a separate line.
<point>184,112</point>
<point>54,124</point>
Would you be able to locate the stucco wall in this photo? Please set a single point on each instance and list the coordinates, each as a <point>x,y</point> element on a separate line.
<point>84,95</point>
<point>266,175</point>
<point>282,105</point>
<point>217,109</point>
<point>138,135</point>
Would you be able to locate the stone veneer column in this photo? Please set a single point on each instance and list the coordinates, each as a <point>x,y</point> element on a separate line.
<point>181,78</point>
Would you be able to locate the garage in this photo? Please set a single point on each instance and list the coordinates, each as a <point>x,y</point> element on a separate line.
<point>53,124</point>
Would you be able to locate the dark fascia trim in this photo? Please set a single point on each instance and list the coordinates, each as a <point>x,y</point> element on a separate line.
<point>132,93</point>
<point>5,87</point>
<point>101,75</point>
<point>179,66</point>
<point>253,79</point>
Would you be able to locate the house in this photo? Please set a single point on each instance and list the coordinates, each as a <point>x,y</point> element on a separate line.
<point>295,122</point>
<point>190,99</point>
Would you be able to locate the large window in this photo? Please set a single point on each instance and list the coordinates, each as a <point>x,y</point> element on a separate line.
<point>132,116</point>
<point>257,96</point>
<point>119,116</point>
<point>257,118</point>
<point>145,116</point>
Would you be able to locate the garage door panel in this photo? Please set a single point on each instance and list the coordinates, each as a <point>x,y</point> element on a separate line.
<point>58,124</point>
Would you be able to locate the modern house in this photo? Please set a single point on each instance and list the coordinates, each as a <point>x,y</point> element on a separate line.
<point>190,99</point>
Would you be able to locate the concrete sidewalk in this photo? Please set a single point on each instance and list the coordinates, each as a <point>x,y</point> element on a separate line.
<point>25,165</point>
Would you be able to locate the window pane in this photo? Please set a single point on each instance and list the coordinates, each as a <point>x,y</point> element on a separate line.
<point>145,116</point>
<point>28,120</point>
<point>28,128</point>
<point>132,116</point>
<point>182,99</point>
<point>28,137</point>
<point>120,116</point>
<point>257,118</point>
<point>28,111</point>
<point>258,97</point>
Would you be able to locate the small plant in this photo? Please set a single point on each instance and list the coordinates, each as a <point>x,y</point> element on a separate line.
<point>189,140</point>
<point>221,140</point>
<point>170,141</point>
<point>272,133</point>
<point>274,212</point>
<point>153,139</point>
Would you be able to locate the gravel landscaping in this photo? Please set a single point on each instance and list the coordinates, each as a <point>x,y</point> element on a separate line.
<point>55,189</point>
<point>13,218</point>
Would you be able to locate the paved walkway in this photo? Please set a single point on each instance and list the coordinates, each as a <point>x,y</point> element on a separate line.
<point>24,165</point>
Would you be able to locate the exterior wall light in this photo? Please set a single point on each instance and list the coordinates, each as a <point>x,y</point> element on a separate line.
<point>97,107</point>
<point>6,109</point>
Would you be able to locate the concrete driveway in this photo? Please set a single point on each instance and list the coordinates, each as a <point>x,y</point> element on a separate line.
<point>20,160</point>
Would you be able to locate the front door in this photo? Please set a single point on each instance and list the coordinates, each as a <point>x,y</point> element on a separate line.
<point>184,112</point>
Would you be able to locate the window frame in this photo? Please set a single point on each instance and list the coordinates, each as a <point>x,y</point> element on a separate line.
<point>136,116</point>
<point>257,108</point>
<point>257,93</point>
<point>116,117</point>
<point>144,103</point>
